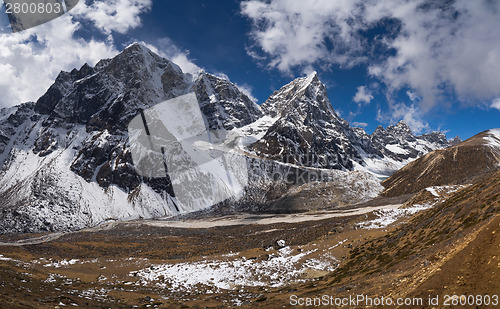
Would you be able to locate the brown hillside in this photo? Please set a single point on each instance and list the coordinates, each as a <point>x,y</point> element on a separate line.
<point>466,162</point>
<point>457,240</point>
<point>449,249</point>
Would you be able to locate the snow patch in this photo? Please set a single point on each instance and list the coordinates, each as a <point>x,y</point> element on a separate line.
<point>396,149</point>
<point>3,258</point>
<point>59,264</point>
<point>278,269</point>
<point>493,138</point>
<point>386,217</point>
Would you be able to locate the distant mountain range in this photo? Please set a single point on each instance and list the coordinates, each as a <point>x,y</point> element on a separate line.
<point>305,124</point>
<point>66,163</point>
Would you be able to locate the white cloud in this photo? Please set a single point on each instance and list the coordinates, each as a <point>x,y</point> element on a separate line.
<point>246,89</point>
<point>166,48</point>
<point>412,95</point>
<point>30,60</point>
<point>359,124</point>
<point>363,95</point>
<point>440,47</point>
<point>183,61</point>
<point>222,75</point>
<point>293,33</point>
<point>113,15</point>
<point>496,103</point>
<point>411,115</point>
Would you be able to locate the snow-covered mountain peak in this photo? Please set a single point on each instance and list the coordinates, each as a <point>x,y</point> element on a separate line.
<point>139,57</point>
<point>135,46</point>
<point>495,133</point>
<point>397,145</point>
<point>307,127</point>
<point>311,79</point>
<point>304,94</point>
<point>68,155</point>
<point>399,133</point>
<point>110,94</point>
<point>401,129</point>
<point>401,125</point>
<point>455,141</point>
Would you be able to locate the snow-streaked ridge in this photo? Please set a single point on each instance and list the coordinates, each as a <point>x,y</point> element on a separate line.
<point>66,159</point>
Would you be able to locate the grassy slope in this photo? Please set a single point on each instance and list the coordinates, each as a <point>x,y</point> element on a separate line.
<point>463,163</point>
<point>451,248</point>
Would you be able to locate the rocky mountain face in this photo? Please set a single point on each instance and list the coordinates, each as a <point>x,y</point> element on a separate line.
<point>398,142</point>
<point>455,141</point>
<point>306,131</point>
<point>233,109</point>
<point>66,162</point>
<point>463,163</point>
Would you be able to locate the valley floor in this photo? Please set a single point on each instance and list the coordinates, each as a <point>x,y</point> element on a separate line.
<point>242,260</point>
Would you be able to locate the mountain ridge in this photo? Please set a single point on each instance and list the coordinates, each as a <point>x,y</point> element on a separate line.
<point>307,121</point>
<point>67,164</point>
<point>462,163</point>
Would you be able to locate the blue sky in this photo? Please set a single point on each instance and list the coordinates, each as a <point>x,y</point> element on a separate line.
<point>433,65</point>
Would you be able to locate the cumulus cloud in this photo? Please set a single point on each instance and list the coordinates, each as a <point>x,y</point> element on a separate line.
<point>166,48</point>
<point>443,47</point>
<point>30,60</point>
<point>363,95</point>
<point>113,15</point>
<point>496,103</point>
<point>247,90</point>
<point>436,47</point>
<point>410,114</point>
<point>298,32</point>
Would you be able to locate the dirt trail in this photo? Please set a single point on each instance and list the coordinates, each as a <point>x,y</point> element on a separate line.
<point>36,240</point>
<point>262,219</point>
<point>239,219</point>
